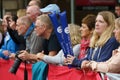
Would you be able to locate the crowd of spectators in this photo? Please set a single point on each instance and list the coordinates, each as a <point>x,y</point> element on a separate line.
<point>95,42</point>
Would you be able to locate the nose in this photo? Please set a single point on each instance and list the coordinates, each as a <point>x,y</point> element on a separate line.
<point>80,28</point>
<point>96,23</point>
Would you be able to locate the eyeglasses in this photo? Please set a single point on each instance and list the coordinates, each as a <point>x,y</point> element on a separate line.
<point>40,26</point>
<point>18,25</point>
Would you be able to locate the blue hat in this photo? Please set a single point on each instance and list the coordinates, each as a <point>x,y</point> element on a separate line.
<point>53,8</point>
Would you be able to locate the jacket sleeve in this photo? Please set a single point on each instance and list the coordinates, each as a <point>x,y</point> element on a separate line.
<point>107,49</point>
<point>57,59</point>
<point>77,62</point>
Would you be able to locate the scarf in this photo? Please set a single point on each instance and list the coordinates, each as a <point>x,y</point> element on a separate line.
<point>83,48</point>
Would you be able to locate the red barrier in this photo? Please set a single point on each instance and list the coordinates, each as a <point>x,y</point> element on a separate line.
<point>6,75</point>
<point>64,73</point>
<point>55,72</point>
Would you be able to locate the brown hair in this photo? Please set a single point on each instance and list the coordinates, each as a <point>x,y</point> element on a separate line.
<point>89,20</point>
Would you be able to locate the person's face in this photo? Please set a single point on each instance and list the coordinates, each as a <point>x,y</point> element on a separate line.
<point>84,30</point>
<point>32,13</point>
<point>117,11</point>
<point>100,25</point>
<point>40,28</point>
<point>4,23</point>
<point>21,28</point>
<point>117,33</point>
<point>29,13</point>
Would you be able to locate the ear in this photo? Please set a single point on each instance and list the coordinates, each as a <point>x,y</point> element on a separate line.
<point>44,27</point>
<point>25,26</point>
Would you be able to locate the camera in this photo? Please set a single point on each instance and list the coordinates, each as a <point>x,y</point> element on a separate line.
<point>16,64</point>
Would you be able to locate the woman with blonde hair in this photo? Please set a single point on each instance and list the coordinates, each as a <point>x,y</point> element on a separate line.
<point>111,65</point>
<point>102,42</point>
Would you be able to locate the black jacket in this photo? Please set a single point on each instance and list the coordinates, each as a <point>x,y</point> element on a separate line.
<point>18,39</point>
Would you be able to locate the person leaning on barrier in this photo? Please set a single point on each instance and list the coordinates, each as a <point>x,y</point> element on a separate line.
<point>102,41</point>
<point>111,65</point>
<point>50,46</point>
<point>44,29</point>
<point>75,41</point>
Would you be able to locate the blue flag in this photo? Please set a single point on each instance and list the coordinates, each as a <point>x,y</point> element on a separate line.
<point>62,32</point>
<point>58,31</point>
<point>66,33</point>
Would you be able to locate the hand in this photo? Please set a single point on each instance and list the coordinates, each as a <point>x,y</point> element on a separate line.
<point>93,65</point>
<point>65,61</point>
<point>114,52</point>
<point>70,59</point>
<point>85,64</point>
<point>40,55</point>
<point>24,55</point>
<point>6,53</point>
<point>12,56</point>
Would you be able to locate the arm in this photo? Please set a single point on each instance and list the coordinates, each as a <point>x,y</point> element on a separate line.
<point>111,65</point>
<point>14,35</point>
<point>77,62</point>
<point>14,47</point>
<point>24,55</point>
<point>18,39</point>
<point>76,50</point>
<point>1,37</point>
<point>57,59</point>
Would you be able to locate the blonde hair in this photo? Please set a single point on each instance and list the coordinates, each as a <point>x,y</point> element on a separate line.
<point>97,40</point>
<point>44,18</point>
<point>74,34</point>
<point>117,23</point>
<point>21,12</point>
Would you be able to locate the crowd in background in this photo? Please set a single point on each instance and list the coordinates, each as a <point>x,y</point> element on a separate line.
<point>95,42</point>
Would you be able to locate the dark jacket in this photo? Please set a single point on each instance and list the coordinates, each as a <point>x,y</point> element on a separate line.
<point>18,39</point>
<point>101,54</point>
